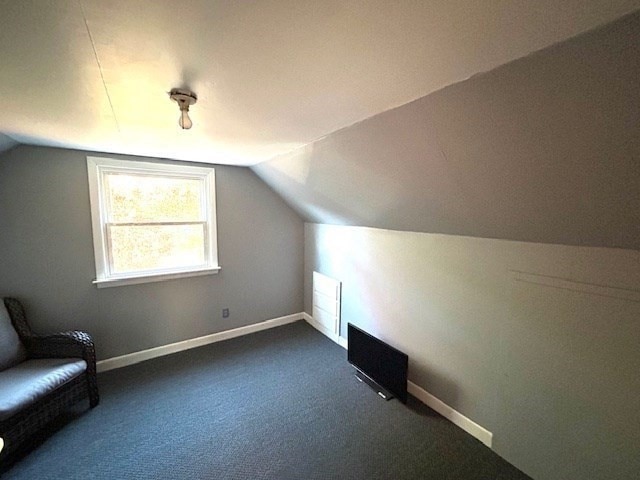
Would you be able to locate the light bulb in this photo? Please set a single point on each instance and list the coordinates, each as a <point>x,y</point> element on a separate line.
<point>185,122</point>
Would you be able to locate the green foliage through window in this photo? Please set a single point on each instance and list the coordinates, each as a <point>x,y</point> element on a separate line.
<point>151,220</point>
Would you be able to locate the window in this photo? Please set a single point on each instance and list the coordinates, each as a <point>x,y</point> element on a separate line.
<point>151,221</point>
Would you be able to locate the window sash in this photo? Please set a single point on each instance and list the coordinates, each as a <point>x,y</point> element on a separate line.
<point>110,256</point>
<point>108,208</point>
<point>105,274</point>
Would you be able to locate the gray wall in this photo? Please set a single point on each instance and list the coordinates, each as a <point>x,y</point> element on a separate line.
<point>48,261</point>
<point>6,143</point>
<point>544,149</point>
<point>537,343</point>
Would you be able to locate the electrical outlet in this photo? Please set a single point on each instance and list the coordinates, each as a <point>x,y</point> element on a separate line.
<point>225,313</point>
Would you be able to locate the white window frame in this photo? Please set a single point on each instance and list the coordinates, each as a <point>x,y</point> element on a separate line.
<point>97,167</point>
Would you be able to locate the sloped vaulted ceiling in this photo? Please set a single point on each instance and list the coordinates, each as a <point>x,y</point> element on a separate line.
<point>270,75</point>
<point>544,149</point>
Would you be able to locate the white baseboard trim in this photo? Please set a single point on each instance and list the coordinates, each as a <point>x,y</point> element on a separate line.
<point>332,336</point>
<point>425,397</point>
<point>455,417</point>
<point>141,356</point>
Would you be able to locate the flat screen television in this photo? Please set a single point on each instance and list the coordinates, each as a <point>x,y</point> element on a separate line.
<point>381,366</point>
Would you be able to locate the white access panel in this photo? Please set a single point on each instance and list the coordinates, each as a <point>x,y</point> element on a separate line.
<point>326,302</point>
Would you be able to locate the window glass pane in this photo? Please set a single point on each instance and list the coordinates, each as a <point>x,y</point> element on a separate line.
<point>144,198</point>
<point>148,247</point>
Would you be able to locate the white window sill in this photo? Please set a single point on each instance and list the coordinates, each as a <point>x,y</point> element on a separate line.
<point>153,277</point>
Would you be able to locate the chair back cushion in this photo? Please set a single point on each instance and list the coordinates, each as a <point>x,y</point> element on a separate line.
<point>12,350</point>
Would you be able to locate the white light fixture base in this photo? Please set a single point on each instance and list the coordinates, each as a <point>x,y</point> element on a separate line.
<point>184,99</point>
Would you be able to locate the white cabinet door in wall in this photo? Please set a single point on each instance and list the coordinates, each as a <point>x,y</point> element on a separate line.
<point>326,302</point>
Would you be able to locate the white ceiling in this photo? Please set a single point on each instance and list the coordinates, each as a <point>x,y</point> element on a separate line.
<point>271,75</point>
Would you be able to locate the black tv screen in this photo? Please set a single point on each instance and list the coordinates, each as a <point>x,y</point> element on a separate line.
<point>379,361</point>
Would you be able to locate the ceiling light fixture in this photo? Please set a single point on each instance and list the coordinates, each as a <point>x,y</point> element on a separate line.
<point>184,98</point>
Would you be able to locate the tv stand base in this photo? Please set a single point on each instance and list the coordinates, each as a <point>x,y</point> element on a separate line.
<point>361,377</point>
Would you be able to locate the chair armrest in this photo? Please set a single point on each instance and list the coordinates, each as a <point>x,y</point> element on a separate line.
<point>65,344</point>
<point>68,344</point>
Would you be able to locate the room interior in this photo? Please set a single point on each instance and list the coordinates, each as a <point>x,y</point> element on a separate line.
<point>469,172</point>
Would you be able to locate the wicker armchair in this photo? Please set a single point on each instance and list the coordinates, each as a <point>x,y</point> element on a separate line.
<point>21,429</point>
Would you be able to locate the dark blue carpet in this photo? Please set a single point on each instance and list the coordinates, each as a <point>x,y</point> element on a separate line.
<point>278,404</point>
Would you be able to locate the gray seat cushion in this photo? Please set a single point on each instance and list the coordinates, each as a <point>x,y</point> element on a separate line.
<point>12,350</point>
<point>27,382</point>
